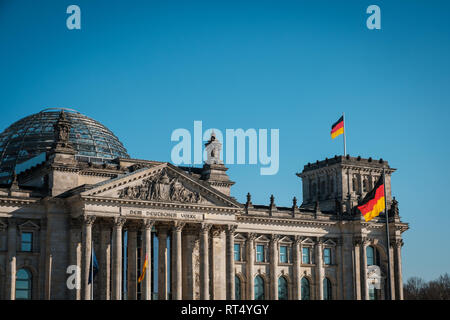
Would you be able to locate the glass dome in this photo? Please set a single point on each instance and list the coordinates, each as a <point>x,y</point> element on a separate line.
<point>34,135</point>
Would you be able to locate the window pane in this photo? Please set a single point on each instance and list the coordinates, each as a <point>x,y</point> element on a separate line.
<point>26,241</point>
<point>259,288</point>
<point>283,254</point>
<point>237,252</point>
<point>326,289</point>
<point>237,288</point>
<point>305,289</point>
<point>369,255</point>
<point>260,253</point>
<point>305,255</point>
<point>327,256</point>
<point>282,289</point>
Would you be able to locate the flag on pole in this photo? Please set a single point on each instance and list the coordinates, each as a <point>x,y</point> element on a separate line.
<point>373,203</point>
<point>337,128</point>
<point>94,266</point>
<point>144,268</point>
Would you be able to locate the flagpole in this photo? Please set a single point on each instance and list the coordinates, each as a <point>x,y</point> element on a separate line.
<point>345,144</point>
<point>388,295</point>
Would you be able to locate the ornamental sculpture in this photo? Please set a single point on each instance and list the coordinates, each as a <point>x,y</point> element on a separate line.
<point>161,188</point>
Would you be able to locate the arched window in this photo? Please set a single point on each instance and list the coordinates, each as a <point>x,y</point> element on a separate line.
<point>237,288</point>
<point>305,289</point>
<point>370,254</point>
<point>259,288</point>
<point>326,289</point>
<point>23,284</point>
<point>282,288</point>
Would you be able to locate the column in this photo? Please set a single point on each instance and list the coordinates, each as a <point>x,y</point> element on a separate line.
<point>250,263</point>
<point>364,288</point>
<point>296,266</point>
<point>273,266</point>
<point>319,269</point>
<point>117,258</point>
<point>398,269</point>
<point>340,270</point>
<point>105,261</point>
<point>230,262</point>
<point>132,276</point>
<point>204,261</point>
<point>147,254</point>
<point>75,255</point>
<point>86,239</point>
<point>356,269</point>
<point>392,269</point>
<point>177,270</point>
<point>162,262</point>
<point>11,266</point>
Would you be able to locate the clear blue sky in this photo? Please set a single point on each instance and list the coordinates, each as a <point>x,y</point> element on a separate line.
<point>145,68</point>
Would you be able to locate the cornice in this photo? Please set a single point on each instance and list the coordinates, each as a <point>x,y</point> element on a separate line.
<point>284,221</point>
<point>158,204</point>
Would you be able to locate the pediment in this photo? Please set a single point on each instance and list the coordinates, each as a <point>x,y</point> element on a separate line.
<point>330,243</point>
<point>286,239</point>
<point>239,237</point>
<point>262,238</point>
<point>308,241</point>
<point>28,225</point>
<point>162,183</point>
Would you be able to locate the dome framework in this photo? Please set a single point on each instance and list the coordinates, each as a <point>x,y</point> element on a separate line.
<point>34,135</point>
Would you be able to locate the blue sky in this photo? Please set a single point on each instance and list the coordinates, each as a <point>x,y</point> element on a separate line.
<point>146,68</point>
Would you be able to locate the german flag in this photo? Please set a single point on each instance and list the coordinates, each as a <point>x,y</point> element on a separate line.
<point>337,128</point>
<point>373,202</point>
<point>144,268</point>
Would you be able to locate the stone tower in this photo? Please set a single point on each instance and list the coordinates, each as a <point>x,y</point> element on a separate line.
<point>338,184</point>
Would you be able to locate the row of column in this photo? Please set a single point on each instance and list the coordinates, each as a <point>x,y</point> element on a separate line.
<point>105,256</point>
<point>360,267</point>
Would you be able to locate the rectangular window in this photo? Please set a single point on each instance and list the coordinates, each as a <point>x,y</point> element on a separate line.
<point>237,252</point>
<point>259,253</point>
<point>327,256</point>
<point>305,256</point>
<point>26,241</point>
<point>283,254</point>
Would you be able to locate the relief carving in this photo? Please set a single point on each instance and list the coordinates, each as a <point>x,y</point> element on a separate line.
<point>161,188</point>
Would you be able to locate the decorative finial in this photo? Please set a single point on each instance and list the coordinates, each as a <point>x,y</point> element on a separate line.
<point>272,200</point>
<point>14,182</point>
<point>294,202</point>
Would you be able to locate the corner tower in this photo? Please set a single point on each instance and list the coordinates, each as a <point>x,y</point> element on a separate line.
<point>338,184</point>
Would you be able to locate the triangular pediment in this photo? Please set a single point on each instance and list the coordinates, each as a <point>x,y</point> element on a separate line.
<point>330,243</point>
<point>262,238</point>
<point>285,239</point>
<point>308,241</point>
<point>161,183</point>
<point>28,225</point>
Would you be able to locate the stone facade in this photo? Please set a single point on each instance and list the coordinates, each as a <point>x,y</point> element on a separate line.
<point>218,247</point>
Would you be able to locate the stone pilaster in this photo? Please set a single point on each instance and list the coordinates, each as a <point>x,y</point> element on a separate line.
<point>177,261</point>
<point>88,222</point>
<point>398,269</point>
<point>75,255</point>
<point>319,269</point>
<point>132,276</point>
<point>11,266</point>
<point>357,268</point>
<point>273,266</point>
<point>250,263</point>
<point>105,261</point>
<point>364,288</point>
<point>340,269</point>
<point>297,256</point>
<point>204,261</point>
<point>230,262</point>
<point>117,257</point>
<point>147,253</point>
<point>162,263</point>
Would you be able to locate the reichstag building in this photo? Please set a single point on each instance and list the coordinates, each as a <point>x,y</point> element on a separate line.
<point>70,195</point>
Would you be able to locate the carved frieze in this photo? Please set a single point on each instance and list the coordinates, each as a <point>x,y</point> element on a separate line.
<point>161,187</point>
